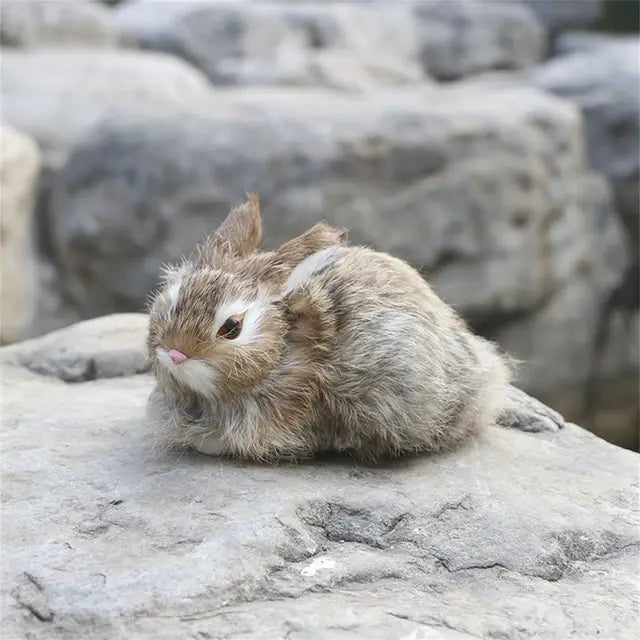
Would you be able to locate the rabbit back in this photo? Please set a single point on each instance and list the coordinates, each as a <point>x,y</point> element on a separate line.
<point>400,371</point>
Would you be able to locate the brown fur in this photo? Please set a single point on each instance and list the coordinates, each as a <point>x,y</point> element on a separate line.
<point>237,236</point>
<point>319,237</point>
<point>343,348</point>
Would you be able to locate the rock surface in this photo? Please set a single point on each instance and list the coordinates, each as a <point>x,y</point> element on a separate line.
<point>480,189</point>
<point>58,95</point>
<point>34,23</point>
<point>285,43</point>
<point>460,37</point>
<point>95,349</point>
<point>511,536</point>
<point>19,170</point>
<point>609,102</point>
<point>281,43</point>
<point>555,344</point>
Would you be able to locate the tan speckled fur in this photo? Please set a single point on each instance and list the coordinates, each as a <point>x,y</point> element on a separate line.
<point>352,351</point>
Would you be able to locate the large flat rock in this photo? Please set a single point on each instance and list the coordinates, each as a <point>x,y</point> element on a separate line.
<point>94,349</point>
<point>484,189</point>
<point>513,536</point>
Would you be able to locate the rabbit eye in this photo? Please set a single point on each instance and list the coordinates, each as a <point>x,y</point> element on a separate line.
<point>230,329</point>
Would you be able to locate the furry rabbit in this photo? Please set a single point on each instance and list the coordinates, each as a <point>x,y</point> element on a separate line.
<point>318,346</point>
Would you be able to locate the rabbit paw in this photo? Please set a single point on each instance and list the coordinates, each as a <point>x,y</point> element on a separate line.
<point>523,412</point>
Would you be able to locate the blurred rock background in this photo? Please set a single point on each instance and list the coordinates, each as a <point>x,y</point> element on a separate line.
<point>491,143</point>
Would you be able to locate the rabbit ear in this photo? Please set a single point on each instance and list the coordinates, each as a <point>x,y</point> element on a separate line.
<point>238,235</point>
<point>320,236</point>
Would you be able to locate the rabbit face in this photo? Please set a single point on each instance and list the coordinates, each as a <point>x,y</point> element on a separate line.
<point>214,332</point>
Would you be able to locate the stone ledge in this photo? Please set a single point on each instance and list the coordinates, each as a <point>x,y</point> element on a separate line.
<point>513,534</point>
<point>106,347</point>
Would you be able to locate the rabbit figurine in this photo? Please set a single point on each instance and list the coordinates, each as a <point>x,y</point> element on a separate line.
<point>318,346</point>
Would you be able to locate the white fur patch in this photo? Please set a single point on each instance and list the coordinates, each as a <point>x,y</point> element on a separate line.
<point>210,445</point>
<point>226,310</point>
<point>192,372</point>
<point>244,430</point>
<point>173,292</point>
<point>310,265</point>
<point>252,311</point>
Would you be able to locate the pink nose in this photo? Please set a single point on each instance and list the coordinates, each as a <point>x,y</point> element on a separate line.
<point>177,357</point>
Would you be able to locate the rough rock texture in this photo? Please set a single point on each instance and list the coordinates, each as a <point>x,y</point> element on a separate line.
<point>483,190</point>
<point>100,348</point>
<point>287,43</point>
<point>58,95</point>
<point>38,23</point>
<point>281,43</point>
<point>513,536</point>
<point>603,77</point>
<point>460,37</point>
<point>53,309</point>
<point>556,346</point>
<point>19,169</point>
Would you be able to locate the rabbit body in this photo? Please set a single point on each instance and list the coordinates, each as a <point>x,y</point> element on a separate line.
<point>341,348</point>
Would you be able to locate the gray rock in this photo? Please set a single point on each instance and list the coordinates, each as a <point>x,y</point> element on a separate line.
<point>19,171</point>
<point>285,43</point>
<point>347,46</point>
<point>381,38</point>
<point>33,23</point>
<point>603,78</point>
<point>560,15</point>
<point>556,346</point>
<point>53,310</point>
<point>57,95</point>
<point>458,38</point>
<point>461,183</point>
<point>580,41</point>
<point>231,42</point>
<point>340,69</point>
<point>101,348</point>
<point>556,342</point>
<point>513,535</point>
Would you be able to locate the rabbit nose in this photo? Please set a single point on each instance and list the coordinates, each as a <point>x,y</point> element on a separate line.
<point>177,357</point>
